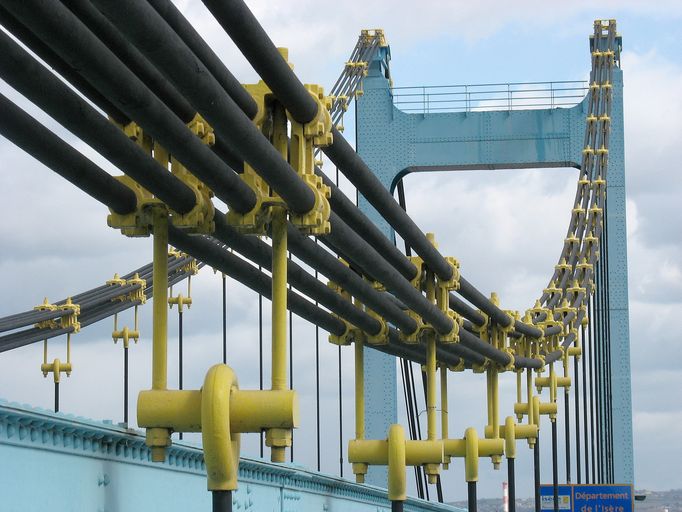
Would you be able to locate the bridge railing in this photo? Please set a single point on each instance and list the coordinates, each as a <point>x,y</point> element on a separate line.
<point>479,97</point>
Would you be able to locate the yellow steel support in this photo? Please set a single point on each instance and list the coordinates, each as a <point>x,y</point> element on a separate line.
<point>159,438</point>
<point>278,439</point>
<point>160,306</point>
<point>397,488</point>
<point>444,407</point>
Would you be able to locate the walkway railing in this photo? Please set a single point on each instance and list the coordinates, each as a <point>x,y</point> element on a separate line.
<point>478,97</point>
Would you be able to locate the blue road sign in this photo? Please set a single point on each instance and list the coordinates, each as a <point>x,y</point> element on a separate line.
<point>603,498</point>
<point>547,498</point>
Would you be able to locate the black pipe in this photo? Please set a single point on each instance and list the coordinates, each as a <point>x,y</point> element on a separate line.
<point>46,53</point>
<point>567,434</point>
<point>27,133</point>
<point>214,255</point>
<point>356,170</point>
<point>247,33</point>
<point>372,262</point>
<point>397,506</point>
<point>180,355</point>
<point>161,45</point>
<point>56,396</point>
<point>471,497</point>
<point>222,501</point>
<point>576,379</point>
<point>367,230</point>
<point>57,26</point>
<point>175,19</point>
<point>329,266</point>
<point>125,386</point>
<point>464,309</point>
<point>224,319</point>
<point>131,57</point>
<point>555,467</point>
<point>536,472</point>
<point>261,253</point>
<point>241,25</point>
<point>511,485</point>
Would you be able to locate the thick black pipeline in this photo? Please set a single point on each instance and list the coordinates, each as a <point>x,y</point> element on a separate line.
<point>205,53</point>
<point>247,33</point>
<point>131,57</point>
<point>342,236</point>
<point>161,45</point>
<point>461,307</point>
<point>364,227</point>
<point>213,254</point>
<point>355,169</point>
<point>54,24</point>
<point>261,253</point>
<point>55,62</point>
<point>34,81</point>
<point>329,266</point>
<point>249,36</point>
<point>31,136</point>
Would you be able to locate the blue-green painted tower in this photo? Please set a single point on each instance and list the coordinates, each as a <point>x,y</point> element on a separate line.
<point>394,143</point>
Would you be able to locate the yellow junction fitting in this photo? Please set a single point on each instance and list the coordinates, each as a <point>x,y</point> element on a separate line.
<point>374,452</point>
<point>396,449</point>
<point>470,448</point>
<point>220,411</point>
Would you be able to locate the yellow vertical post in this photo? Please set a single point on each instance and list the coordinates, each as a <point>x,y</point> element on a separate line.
<point>444,434</point>
<point>159,438</point>
<point>160,306</point>
<point>279,439</point>
<point>359,389</point>
<point>431,388</point>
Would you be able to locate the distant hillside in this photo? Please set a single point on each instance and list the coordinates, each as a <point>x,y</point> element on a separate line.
<point>656,501</point>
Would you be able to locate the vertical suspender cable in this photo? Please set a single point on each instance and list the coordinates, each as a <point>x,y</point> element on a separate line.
<point>56,396</point>
<point>576,379</point>
<point>340,385</point>
<point>224,319</point>
<point>593,442</point>
<point>408,252</point>
<point>180,349</point>
<point>567,434</point>
<point>536,472</point>
<point>608,343</point>
<point>260,356</point>
<point>585,404</point>
<point>317,384</point>
<point>125,385</point>
<point>555,468</point>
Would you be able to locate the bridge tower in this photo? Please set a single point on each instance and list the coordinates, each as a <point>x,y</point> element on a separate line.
<point>394,143</point>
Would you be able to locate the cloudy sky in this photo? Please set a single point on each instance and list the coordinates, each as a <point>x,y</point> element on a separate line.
<point>55,240</point>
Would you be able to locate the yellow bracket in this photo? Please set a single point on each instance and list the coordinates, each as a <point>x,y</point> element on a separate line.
<point>299,151</point>
<point>220,411</point>
<point>397,453</point>
<point>138,222</point>
<point>471,448</point>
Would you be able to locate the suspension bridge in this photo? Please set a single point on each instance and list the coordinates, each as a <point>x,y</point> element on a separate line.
<point>135,81</point>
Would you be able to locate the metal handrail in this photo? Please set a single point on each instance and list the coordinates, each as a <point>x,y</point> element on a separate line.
<point>492,96</point>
